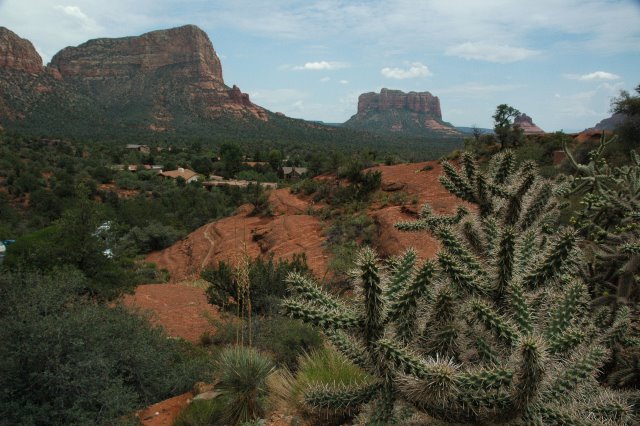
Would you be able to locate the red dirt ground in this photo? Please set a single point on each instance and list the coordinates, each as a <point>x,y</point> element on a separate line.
<point>167,411</point>
<point>423,185</point>
<point>289,231</point>
<point>182,310</point>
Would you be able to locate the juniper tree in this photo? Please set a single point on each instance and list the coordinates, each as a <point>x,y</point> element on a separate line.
<point>496,329</point>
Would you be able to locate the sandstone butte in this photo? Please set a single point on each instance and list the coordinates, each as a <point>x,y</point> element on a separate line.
<point>526,124</point>
<point>176,65</point>
<point>420,102</point>
<point>397,111</point>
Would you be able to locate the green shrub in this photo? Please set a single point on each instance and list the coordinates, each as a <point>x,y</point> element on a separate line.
<point>267,279</point>
<point>68,360</point>
<point>242,374</point>
<point>152,237</point>
<point>318,369</point>
<point>284,338</point>
<point>202,413</point>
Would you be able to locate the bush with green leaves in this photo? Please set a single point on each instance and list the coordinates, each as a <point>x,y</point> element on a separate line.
<point>69,360</point>
<point>282,337</point>
<point>202,413</point>
<point>317,369</point>
<point>152,237</point>
<point>267,278</point>
<point>76,240</point>
<point>497,329</point>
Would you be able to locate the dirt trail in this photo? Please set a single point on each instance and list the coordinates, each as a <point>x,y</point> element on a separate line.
<point>208,237</point>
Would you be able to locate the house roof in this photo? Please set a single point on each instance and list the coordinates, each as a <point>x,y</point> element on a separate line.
<point>298,170</point>
<point>186,174</point>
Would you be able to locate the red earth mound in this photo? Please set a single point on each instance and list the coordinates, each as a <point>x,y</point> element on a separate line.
<point>182,310</point>
<point>419,180</point>
<point>289,231</point>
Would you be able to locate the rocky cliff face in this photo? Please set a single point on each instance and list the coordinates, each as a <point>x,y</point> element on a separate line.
<point>18,54</point>
<point>186,52</point>
<point>159,81</point>
<point>419,102</point>
<point>413,113</point>
<point>610,123</point>
<point>526,123</point>
<point>176,70</point>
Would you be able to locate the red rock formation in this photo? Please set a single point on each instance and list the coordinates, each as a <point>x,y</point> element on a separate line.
<point>18,54</point>
<point>526,123</point>
<point>178,63</point>
<point>413,113</point>
<point>420,102</point>
<point>185,51</point>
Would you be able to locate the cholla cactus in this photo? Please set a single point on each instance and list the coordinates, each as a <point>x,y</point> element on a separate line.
<point>496,330</point>
<point>609,222</point>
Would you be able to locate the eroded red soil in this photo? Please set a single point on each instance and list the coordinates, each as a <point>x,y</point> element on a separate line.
<point>289,231</point>
<point>182,310</point>
<point>422,185</point>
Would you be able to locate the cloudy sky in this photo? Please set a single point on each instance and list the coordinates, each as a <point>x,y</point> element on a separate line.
<point>560,61</point>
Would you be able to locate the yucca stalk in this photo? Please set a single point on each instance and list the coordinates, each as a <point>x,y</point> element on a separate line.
<point>498,330</point>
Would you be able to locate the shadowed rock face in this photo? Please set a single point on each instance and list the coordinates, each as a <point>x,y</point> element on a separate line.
<point>18,54</point>
<point>420,102</point>
<point>174,69</point>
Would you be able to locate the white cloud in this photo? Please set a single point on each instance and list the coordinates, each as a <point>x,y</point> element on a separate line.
<point>416,69</point>
<point>594,76</point>
<point>321,66</point>
<point>325,79</point>
<point>76,13</point>
<point>490,52</point>
<point>344,81</point>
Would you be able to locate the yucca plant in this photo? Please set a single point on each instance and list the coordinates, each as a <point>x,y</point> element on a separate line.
<point>496,330</point>
<point>243,373</point>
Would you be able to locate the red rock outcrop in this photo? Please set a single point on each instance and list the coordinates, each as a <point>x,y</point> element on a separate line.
<point>526,123</point>
<point>186,52</point>
<point>18,54</point>
<point>413,113</point>
<point>420,102</point>
<point>178,64</point>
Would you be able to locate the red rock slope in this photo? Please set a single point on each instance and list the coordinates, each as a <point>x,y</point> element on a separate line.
<point>289,231</point>
<point>423,185</point>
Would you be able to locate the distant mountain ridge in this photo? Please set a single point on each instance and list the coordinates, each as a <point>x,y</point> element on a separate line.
<point>159,81</point>
<point>394,111</point>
